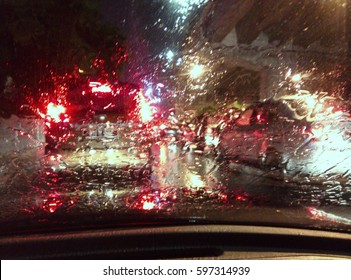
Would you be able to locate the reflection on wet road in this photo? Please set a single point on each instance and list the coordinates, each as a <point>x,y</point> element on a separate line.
<point>163,179</point>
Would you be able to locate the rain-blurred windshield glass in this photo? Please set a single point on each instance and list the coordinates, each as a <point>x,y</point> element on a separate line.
<point>116,112</point>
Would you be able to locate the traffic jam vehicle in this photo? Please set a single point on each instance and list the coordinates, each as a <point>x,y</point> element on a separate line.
<point>297,136</point>
<point>101,114</point>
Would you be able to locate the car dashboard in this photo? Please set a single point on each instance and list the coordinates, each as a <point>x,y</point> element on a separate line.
<point>240,242</point>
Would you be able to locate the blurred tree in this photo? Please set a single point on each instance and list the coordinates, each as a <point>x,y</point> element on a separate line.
<point>43,40</point>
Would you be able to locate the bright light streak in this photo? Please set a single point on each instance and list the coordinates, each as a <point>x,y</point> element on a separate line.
<point>187,4</point>
<point>196,71</point>
<point>310,102</point>
<point>172,148</point>
<point>103,88</point>
<point>109,194</point>
<point>113,156</point>
<point>148,91</point>
<point>183,8</point>
<point>182,2</point>
<point>55,111</point>
<point>296,78</point>
<point>194,181</point>
<point>148,205</point>
<point>331,153</point>
<point>318,132</point>
<point>314,104</point>
<point>288,74</point>
<point>323,215</point>
<point>94,84</point>
<point>211,140</point>
<point>163,154</point>
<point>169,55</point>
<point>145,110</point>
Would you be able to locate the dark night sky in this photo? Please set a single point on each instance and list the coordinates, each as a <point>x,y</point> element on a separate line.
<point>138,17</point>
<point>148,26</point>
<point>152,28</point>
<point>117,12</point>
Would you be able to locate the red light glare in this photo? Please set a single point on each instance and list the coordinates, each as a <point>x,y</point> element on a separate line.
<point>52,203</point>
<point>240,198</point>
<point>55,111</point>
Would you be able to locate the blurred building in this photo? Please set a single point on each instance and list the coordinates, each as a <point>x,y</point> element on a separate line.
<point>251,46</point>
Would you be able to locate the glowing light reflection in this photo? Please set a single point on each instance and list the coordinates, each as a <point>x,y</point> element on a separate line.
<point>147,205</point>
<point>55,111</point>
<point>103,88</point>
<point>331,153</point>
<point>196,71</point>
<point>184,8</point>
<point>163,154</point>
<point>296,78</point>
<point>194,181</point>
<point>322,215</point>
<point>169,55</point>
<point>145,110</point>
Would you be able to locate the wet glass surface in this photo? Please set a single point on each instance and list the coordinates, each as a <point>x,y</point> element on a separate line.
<point>175,112</point>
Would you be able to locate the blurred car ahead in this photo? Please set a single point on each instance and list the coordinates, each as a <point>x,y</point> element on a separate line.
<point>292,136</point>
<point>98,114</point>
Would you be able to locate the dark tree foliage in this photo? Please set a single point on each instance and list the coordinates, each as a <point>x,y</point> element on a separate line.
<point>43,40</point>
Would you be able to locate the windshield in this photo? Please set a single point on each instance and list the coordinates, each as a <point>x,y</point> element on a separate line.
<point>116,113</point>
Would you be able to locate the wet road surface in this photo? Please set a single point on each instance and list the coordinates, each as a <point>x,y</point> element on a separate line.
<point>163,180</point>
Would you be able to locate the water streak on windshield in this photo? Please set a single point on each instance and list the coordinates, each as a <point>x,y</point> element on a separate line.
<point>194,110</point>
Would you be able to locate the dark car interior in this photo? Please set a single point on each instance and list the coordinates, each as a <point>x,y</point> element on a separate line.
<point>180,242</point>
